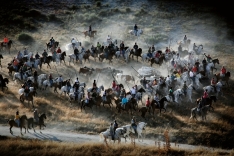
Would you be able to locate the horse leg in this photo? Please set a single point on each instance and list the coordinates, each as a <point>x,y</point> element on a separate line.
<point>11,130</point>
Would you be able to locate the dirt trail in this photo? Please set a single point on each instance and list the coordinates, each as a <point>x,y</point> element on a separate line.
<point>67,136</point>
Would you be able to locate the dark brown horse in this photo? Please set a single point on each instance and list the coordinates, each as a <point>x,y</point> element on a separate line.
<point>28,98</point>
<point>40,122</point>
<point>159,61</point>
<point>225,78</point>
<point>55,45</point>
<point>90,104</point>
<point>62,57</point>
<point>4,81</point>
<point>161,106</point>
<point>23,124</point>
<point>86,55</point>
<point>137,53</point>
<point>86,33</point>
<point>208,101</point>
<point>129,106</point>
<point>7,46</point>
<point>102,56</point>
<point>47,61</point>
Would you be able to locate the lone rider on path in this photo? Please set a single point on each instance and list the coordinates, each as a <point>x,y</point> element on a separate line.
<point>133,124</point>
<point>135,46</point>
<point>135,29</point>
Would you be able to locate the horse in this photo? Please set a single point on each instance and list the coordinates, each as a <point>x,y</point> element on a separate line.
<point>158,61</point>
<point>137,53</point>
<point>102,56</point>
<point>139,129</point>
<point>210,89</point>
<point>40,122</point>
<point>203,112</point>
<point>208,101</point>
<point>23,124</point>
<point>48,46</point>
<point>184,43</point>
<point>71,46</point>
<point>117,136</point>
<point>7,46</point>
<point>125,55</point>
<point>3,83</point>
<point>210,67</point>
<point>61,57</point>
<point>86,55</point>
<point>28,98</point>
<point>161,105</point>
<point>1,57</point>
<point>79,97</point>
<point>86,33</point>
<point>98,91</point>
<point>128,106</point>
<point>127,78</point>
<point>90,104</point>
<point>108,101</point>
<point>198,49</point>
<point>138,33</point>
<point>48,60</point>
<point>225,78</point>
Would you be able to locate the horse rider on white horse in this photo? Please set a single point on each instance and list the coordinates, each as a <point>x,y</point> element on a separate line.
<point>156,99</point>
<point>135,29</point>
<point>133,124</point>
<point>108,39</point>
<point>90,30</point>
<point>111,128</point>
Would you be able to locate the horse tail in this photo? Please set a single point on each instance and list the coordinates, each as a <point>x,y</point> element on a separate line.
<point>101,136</point>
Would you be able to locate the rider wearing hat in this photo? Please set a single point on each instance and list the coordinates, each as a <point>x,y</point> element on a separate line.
<point>115,126</point>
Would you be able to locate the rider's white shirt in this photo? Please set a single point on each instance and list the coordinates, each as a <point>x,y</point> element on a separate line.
<point>73,41</point>
<point>133,91</point>
<point>108,37</point>
<point>191,74</point>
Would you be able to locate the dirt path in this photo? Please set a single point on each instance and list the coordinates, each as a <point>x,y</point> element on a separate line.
<point>67,136</point>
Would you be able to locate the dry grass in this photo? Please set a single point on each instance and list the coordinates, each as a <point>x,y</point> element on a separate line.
<point>20,147</point>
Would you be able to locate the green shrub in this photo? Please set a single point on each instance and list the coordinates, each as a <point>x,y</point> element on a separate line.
<point>23,37</point>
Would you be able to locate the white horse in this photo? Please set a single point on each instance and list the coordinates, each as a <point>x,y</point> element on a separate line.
<point>139,32</point>
<point>178,95</point>
<point>69,46</point>
<point>45,84</point>
<point>210,89</point>
<point>34,64</point>
<point>41,78</point>
<point>118,133</point>
<point>73,57</point>
<point>100,88</point>
<point>108,42</point>
<point>21,90</point>
<point>126,54</point>
<point>198,49</point>
<point>208,68</point>
<point>25,75</point>
<point>79,97</point>
<point>140,128</point>
<point>189,92</point>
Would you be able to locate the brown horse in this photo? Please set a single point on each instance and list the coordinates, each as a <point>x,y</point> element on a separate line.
<point>90,104</point>
<point>137,53</point>
<point>29,98</point>
<point>161,106</point>
<point>23,124</point>
<point>86,55</point>
<point>225,78</point>
<point>86,33</point>
<point>55,45</point>
<point>159,62</point>
<point>40,122</point>
<point>130,105</point>
<point>102,57</point>
<point>7,46</point>
<point>143,111</point>
<point>208,101</point>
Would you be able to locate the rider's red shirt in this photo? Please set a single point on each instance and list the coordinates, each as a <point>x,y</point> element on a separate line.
<point>147,103</point>
<point>223,71</point>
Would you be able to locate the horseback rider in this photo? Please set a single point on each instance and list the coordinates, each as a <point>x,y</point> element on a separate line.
<point>124,101</point>
<point>173,62</point>
<point>90,30</point>
<point>87,98</point>
<point>180,48</point>
<point>208,58</point>
<point>26,91</point>
<point>99,46</point>
<point>156,99</point>
<point>115,126</point>
<point>135,47</point>
<point>82,49</point>
<point>36,116</point>
<point>5,40</point>
<point>194,70</point>
<point>25,51</point>
<point>35,75</point>
<point>76,52</point>
<point>94,86</point>
<point>37,56</point>
<point>135,29</point>
<point>154,82</point>
<point>200,104</point>
<point>223,72</point>
<point>60,80</point>
<point>194,47</point>
<point>51,80</point>
<point>68,84</point>
<point>113,85</point>
<point>25,67</point>
<point>157,55</point>
<point>204,63</point>
<point>171,94</point>
<point>152,48</point>
<point>191,75</point>
<point>21,73</point>
<point>58,50</point>
<point>133,124</point>
<point>121,46</point>
<point>77,81</point>
<point>133,91</point>
<point>15,64</point>
<point>111,131</point>
<point>149,54</point>
<point>44,54</point>
<point>144,82</point>
<point>185,39</point>
<point>167,50</point>
<point>19,55</point>
<point>52,41</point>
<point>122,93</point>
<point>108,39</point>
<point>92,49</point>
<point>106,52</point>
<point>17,118</point>
<point>104,96</point>
<point>73,42</point>
<point>148,104</point>
<point>185,87</point>
<point>205,96</point>
<point>213,83</point>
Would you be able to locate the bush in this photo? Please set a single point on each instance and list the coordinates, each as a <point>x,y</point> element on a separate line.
<point>23,37</point>
<point>98,4</point>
